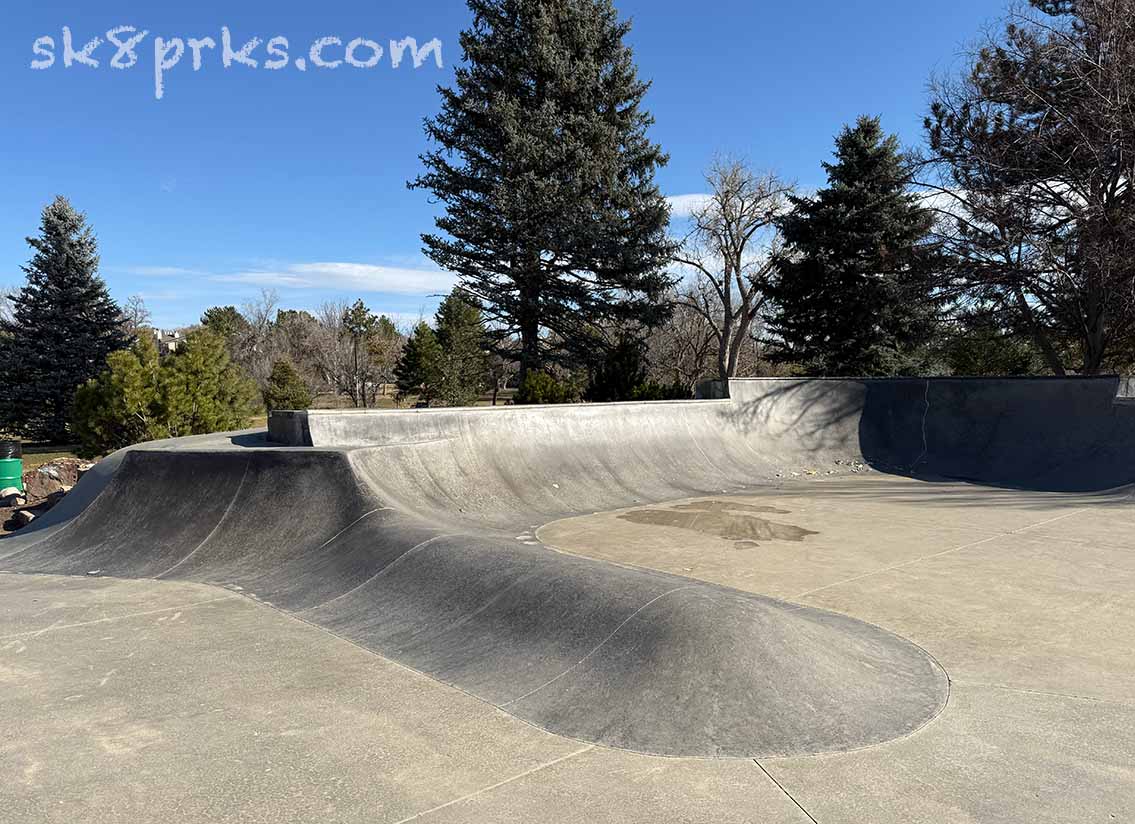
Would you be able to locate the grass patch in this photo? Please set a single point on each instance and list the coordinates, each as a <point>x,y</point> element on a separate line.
<point>36,455</point>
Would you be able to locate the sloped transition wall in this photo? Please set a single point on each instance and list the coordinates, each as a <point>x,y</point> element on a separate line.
<point>622,657</point>
<point>401,530</point>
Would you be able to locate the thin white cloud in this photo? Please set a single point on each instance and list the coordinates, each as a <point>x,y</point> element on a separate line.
<point>162,271</point>
<point>358,277</point>
<point>683,206</point>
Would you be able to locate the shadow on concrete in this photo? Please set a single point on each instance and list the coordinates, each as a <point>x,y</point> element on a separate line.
<point>254,440</point>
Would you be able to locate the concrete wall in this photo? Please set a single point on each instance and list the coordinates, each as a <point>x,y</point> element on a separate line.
<point>1061,434</point>
<point>1046,433</point>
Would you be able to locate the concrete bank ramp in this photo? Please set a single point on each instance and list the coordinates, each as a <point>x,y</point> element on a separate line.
<point>411,533</point>
<point>622,657</point>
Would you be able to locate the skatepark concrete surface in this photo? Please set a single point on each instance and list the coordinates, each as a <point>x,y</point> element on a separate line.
<point>826,601</point>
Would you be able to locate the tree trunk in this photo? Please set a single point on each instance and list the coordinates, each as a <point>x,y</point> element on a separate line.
<point>1095,345</point>
<point>1039,335</point>
<point>723,346</point>
<point>743,324</point>
<point>529,316</point>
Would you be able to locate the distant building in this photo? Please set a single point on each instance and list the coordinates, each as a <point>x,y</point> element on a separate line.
<point>168,340</point>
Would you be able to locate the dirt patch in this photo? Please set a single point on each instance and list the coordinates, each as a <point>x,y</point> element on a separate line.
<point>731,521</point>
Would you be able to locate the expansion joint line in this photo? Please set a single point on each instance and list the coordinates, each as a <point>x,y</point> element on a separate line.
<point>780,786</point>
<point>492,787</point>
<point>925,441</point>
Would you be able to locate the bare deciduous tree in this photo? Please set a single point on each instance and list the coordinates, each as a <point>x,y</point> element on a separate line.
<point>257,346</point>
<point>135,315</point>
<point>684,349</point>
<point>730,246</point>
<point>385,347</point>
<point>332,348</point>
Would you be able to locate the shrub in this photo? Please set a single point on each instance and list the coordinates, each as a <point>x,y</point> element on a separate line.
<point>655,391</point>
<point>620,373</point>
<point>139,397</point>
<point>286,389</point>
<point>541,387</point>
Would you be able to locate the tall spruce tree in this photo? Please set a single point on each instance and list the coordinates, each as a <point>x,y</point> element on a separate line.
<point>418,369</point>
<point>463,367</point>
<point>854,290</point>
<point>552,216</point>
<point>64,325</point>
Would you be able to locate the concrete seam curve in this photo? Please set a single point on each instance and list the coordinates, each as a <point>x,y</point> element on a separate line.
<point>697,446</point>
<point>1025,691</point>
<point>378,574</point>
<point>353,523</point>
<point>597,647</point>
<point>52,531</point>
<point>216,526</point>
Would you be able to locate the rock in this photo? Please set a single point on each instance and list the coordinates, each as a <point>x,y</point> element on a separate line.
<point>50,501</point>
<point>10,496</point>
<point>57,476</point>
<point>23,517</point>
<point>42,482</point>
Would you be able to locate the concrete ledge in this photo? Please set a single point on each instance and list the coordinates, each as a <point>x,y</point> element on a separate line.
<point>289,427</point>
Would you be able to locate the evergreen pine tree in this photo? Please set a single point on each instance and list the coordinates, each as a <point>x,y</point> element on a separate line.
<point>418,369</point>
<point>63,327</point>
<point>202,390</point>
<point>854,292</point>
<point>121,406</point>
<point>138,397</point>
<point>552,217</point>
<point>286,389</point>
<point>622,372</point>
<point>225,321</point>
<point>464,366</point>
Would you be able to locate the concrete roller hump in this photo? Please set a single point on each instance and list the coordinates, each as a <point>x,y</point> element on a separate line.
<point>411,533</point>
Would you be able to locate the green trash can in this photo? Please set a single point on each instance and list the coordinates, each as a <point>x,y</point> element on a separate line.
<point>11,465</point>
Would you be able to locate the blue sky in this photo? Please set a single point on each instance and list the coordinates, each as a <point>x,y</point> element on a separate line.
<point>242,178</point>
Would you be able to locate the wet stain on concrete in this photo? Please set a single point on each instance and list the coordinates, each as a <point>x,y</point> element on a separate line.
<point>723,519</point>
